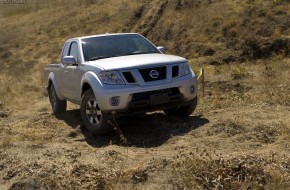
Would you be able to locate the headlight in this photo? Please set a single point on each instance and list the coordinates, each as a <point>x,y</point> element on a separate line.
<point>110,77</point>
<point>184,69</point>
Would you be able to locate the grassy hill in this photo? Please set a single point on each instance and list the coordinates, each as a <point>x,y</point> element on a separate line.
<point>238,138</point>
<point>32,34</point>
<point>213,32</point>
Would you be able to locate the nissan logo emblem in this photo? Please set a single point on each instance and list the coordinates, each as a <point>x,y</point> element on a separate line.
<point>154,74</point>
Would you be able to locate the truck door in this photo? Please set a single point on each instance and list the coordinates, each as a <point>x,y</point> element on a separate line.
<point>71,76</point>
<point>63,71</point>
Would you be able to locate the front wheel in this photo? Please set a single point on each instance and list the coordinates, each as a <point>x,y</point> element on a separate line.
<point>95,120</point>
<point>58,106</point>
<point>183,111</point>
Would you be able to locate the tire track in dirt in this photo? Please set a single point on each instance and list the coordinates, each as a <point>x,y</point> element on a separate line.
<point>146,17</point>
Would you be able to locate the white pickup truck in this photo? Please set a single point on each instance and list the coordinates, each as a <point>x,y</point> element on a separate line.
<point>119,74</point>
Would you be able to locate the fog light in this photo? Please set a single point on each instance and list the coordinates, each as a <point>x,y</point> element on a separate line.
<point>192,89</point>
<point>114,101</point>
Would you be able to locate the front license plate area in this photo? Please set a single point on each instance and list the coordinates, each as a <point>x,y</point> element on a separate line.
<point>161,98</point>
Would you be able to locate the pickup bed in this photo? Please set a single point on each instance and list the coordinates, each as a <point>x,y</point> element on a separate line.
<point>119,74</point>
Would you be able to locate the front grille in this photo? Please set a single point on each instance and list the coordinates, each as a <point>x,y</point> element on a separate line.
<point>175,71</point>
<point>129,77</point>
<point>149,77</point>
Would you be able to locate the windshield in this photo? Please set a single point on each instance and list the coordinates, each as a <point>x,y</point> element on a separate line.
<point>116,45</point>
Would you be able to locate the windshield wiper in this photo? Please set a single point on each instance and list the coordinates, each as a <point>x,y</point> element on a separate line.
<point>99,57</point>
<point>140,52</point>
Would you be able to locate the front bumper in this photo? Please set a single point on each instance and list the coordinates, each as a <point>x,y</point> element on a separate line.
<point>149,98</point>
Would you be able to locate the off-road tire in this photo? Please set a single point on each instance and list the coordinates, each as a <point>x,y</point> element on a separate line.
<point>58,106</point>
<point>95,120</point>
<point>183,111</point>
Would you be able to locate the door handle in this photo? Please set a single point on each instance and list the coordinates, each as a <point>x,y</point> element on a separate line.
<point>65,72</point>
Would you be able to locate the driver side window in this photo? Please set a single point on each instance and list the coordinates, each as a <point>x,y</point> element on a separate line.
<point>74,51</point>
<point>64,51</point>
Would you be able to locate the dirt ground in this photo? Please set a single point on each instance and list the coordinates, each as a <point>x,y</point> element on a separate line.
<point>238,138</point>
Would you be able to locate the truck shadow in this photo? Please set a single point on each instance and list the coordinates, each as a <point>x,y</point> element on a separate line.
<point>143,131</point>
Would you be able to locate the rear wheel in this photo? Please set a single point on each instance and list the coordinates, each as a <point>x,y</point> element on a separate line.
<point>58,106</point>
<point>95,120</point>
<point>183,111</point>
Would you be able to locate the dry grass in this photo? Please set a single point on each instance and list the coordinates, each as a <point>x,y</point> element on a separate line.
<point>207,171</point>
<point>253,83</point>
<point>244,143</point>
<point>29,43</point>
<point>32,39</point>
<point>254,155</point>
<point>205,168</point>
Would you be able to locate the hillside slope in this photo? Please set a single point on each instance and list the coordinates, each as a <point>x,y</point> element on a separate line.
<point>214,32</point>
<point>238,138</point>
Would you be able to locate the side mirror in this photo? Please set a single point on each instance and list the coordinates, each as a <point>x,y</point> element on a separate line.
<point>161,49</point>
<point>69,60</point>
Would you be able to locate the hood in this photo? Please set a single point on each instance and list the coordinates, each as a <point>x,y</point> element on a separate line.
<point>133,61</point>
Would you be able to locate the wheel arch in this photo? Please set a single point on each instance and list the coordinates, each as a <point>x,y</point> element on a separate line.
<point>52,81</point>
<point>91,81</point>
<point>86,86</point>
